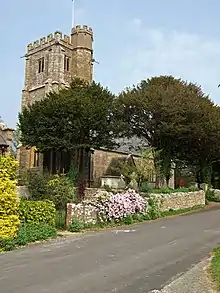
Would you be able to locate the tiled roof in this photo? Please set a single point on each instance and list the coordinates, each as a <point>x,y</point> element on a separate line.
<point>131,145</point>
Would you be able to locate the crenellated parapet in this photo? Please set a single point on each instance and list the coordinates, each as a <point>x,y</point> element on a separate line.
<point>82,29</point>
<point>44,41</point>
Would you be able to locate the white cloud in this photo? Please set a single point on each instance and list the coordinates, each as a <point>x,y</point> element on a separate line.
<point>154,51</point>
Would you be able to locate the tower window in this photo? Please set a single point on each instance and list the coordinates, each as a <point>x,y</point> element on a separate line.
<point>66,63</point>
<point>36,159</point>
<point>41,65</point>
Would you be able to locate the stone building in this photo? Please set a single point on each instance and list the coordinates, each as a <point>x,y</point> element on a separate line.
<point>6,136</point>
<point>51,63</point>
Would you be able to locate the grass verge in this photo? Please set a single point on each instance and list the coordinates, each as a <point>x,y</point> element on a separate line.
<point>215,268</point>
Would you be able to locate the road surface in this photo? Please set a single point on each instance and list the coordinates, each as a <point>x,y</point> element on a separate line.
<point>134,259</point>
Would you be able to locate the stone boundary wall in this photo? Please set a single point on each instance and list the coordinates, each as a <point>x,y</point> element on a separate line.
<point>82,211</point>
<point>175,201</point>
<point>180,200</point>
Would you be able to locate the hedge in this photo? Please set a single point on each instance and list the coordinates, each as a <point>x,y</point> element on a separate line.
<point>36,212</point>
<point>9,202</point>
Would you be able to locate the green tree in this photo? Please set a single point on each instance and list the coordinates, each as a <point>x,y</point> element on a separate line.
<point>174,116</point>
<point>78,117</point>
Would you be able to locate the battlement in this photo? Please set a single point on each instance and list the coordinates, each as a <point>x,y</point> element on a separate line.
<point>57,36</point>
<point>82,29</point>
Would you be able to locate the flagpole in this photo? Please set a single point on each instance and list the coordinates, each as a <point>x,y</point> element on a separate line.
<point>73,13</point>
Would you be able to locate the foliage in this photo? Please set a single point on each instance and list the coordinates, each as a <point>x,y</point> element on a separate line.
<point>146,187</point>
<point>215,268</point>
<point>28,233</point>
<point>141,169</point>
<point>34,232</point>
<point>128,220</point>
<point>9,219</point>
<point>139,217</point>
<point>175,117</point>
<point>145,169</point>
<point>115,207</point>
<point>211,197</point>
<point>79,116</point>
<point>36,212</point>
<point>154,208</point>
<point>8,167</point>
<point>73,173</point>
<point>76,226</point>
<point>16,138</point>
<point>60,219</point>
<point>57,188</point>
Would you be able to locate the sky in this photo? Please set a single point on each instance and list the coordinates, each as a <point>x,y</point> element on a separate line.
<point>133,40</point>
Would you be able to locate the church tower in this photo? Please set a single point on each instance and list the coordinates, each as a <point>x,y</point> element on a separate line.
<point>51,63</point>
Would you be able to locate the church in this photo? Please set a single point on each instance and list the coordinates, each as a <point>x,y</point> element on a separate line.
<point>51,63</point>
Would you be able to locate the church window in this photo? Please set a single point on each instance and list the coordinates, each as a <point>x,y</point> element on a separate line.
<point>66,63</point>
<point>41,65</point>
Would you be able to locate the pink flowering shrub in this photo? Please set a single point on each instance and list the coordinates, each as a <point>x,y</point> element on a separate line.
<point>114,207</point>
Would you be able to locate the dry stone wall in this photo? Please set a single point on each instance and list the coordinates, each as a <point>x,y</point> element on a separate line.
<point>180,200</point>
<point>83,212</point>
<point>175,201</point>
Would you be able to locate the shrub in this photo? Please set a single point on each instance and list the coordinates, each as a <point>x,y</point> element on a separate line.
<point>34,232</point>
<point>57,188</point>
<point>154,210</point>
<point>8,167</point>
<point>60,219</point>
<point>114,207</point>
<point>146,187</point>
<point>36,212</point>
<point>211,197</point>
<point>128,220</point>
<point>28,233</point>
<point>76,226</point>
<point>9,218</point>
<point>138,217</point>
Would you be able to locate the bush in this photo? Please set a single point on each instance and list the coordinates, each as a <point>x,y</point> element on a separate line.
<point>76,226</point>
<point>138,217</point>
<point>211,197</point>
<point>28,233</point>
<point>154,210</point>
<point>9,202</point>
<point>115,207</point>
<point>60,219</point>
<point>57,188</point>
<point>8,167</point>
<point>146,187</point>
<point>128,220</point>
<point>34,232</point>
<point>36,212</point>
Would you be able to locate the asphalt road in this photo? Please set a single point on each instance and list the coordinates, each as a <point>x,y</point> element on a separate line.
<point>138,258</point>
